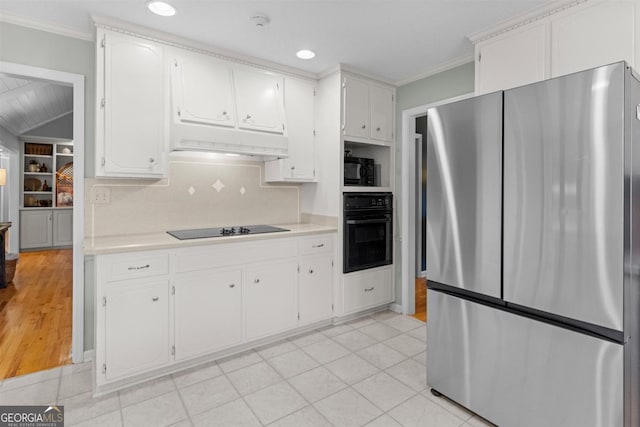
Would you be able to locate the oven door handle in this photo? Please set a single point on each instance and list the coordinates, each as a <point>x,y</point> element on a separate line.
<point>367,221</point>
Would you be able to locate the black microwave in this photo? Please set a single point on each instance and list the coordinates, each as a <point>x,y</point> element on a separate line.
<point>359,171</point>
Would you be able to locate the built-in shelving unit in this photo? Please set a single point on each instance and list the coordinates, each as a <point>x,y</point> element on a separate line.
<point>46,197</point>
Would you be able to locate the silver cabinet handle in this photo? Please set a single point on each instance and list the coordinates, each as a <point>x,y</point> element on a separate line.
<point>256,280</point>
<point>293,167</point>
<point>248,116</point>
<point>311,271</point>
<point>141,267</point>
<point>377,129</point>
<point>154,299</point>
<point>321,245</point>
<point>151,160</point>
<point>364,126</point>
<point>232,285</point>
<point>224,113</point>
<point>368,289</point>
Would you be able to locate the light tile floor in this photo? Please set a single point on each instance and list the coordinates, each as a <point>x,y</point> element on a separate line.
<point>368,372</point>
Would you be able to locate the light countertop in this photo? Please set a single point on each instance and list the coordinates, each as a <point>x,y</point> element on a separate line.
<point>162,240</point>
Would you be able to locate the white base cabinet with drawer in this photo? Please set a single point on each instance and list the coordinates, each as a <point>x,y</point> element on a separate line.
<point>367,289</point>
<point>159,311</point>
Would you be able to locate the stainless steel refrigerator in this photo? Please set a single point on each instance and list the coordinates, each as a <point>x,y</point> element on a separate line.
<point>533,251</point>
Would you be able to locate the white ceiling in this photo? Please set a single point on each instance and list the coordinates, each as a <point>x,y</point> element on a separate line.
<point>394,39</point>
<point>28,104</point>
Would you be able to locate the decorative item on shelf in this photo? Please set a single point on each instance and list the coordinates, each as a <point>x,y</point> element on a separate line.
<point>33,166</point>
<point>66,150</point>
<point>32,184</point>
<point>45,186</point>
<point>30,201</point>
<point>64,185</point>
<point>45,203</point>
<point>43,168</point>
<point>38,149</point>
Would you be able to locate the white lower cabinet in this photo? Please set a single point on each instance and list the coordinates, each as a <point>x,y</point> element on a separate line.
<point>315,300</point>
<point>157,310</point>
<point>136,327</point>
<point>208,312</point>
<point>366,289</point>
<point>45,228</point>
<point>270,298</point>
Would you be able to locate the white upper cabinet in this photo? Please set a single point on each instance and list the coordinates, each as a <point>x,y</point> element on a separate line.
<point>557,42</point>
<point>597,35</point>
<point>131,132</point>
<point>299,104</point>
<point>511,61</point>
<point>259,99</point>
<point>202,90</point>
<point>367,110</point>
<point>356,107</point>
<point>381,113</point>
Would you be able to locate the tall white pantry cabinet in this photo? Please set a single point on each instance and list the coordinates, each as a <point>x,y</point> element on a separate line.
<point>557,41</point>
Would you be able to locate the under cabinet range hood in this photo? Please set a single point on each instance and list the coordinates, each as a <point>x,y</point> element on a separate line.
<point>189,136</point>
<point>220,106</point>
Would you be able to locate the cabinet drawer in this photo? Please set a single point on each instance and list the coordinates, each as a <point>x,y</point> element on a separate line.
<point>316,244</point>
<point>203,258</point>
<point>367,289</point>
<point>131,266</point>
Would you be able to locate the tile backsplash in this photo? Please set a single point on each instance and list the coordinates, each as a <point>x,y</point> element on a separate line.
<point>199,192</point>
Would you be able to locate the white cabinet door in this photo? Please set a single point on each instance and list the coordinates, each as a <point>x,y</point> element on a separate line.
<point>356,107</point>
<point>259,100</point>
<point>132,109</point>
<point>202,90</point>
<point>63,227</point>
<point>136,327</point>
<point>36,229</point>
<point>315,288</point>
<point>381,113</point>
<point>595,35</point>
<point>299,99</point>
<point>270,296</point>
<point>512,60</point>
<point>208,312</point>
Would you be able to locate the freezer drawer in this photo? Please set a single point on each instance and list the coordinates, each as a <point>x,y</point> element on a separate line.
<point>564,151</point>
<point>464,182</point>
<point>519,372</point>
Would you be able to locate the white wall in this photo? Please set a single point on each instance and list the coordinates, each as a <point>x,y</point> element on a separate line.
<point>10,193</point>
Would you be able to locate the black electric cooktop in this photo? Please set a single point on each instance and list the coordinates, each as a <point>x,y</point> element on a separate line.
<point>203,233</point>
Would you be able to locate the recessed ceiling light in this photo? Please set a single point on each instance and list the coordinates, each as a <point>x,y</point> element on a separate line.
<point>161,8</point>
<point>305,54</point>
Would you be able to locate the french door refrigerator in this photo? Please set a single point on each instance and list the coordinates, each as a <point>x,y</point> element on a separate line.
<point>533,252</point>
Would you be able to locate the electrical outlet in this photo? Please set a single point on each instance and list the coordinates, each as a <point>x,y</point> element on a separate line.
<point>101,195</point>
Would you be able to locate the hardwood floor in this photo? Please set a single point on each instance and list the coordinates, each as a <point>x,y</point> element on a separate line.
<point>421,299</point>
<point>35,314</point>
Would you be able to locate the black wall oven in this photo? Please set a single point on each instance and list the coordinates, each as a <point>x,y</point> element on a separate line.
<point>368,230</point>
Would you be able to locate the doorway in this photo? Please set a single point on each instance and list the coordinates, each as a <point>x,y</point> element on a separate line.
<point>420,179</point>
<point>42,309</point>
<point>413,205</point>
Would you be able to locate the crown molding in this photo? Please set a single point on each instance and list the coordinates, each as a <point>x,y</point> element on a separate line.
<point>456,62</point>
<point>536,14</point>
<point>147,33</point>
<point>354,70</point>
<point>49,27</point>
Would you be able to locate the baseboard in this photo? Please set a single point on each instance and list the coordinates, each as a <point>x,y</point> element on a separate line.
<point>395,307</point>
<point>89,355</point>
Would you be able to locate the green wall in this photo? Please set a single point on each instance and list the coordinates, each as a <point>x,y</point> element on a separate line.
<point>447,84</point>
<point>42,49</point>
<point>37,48</point>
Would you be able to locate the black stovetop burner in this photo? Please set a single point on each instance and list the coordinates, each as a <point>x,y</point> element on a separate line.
<point>203,233</point>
